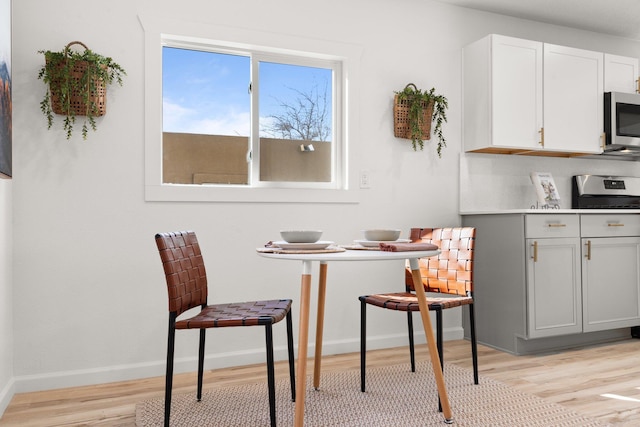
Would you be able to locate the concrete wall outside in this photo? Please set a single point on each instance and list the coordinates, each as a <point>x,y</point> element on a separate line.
<point>220,159</point>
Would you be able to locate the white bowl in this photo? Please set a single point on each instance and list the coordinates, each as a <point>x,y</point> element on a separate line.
<point>300,236</point>
<point>382,235</point>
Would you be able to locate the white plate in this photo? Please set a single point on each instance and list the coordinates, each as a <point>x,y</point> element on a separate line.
<point>376,243</point>
<point>303,246</point>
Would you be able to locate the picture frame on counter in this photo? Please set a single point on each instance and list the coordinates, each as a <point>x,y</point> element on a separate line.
<point>546,189</point>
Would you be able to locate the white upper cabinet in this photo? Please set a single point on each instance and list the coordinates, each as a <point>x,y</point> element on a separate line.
<point>573,99</point>
<point>620,74</point>
<point>502,95</point>
<point>527,97</point>
<point>516,83</point>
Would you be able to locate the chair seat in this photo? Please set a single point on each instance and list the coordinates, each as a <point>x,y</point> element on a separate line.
<point>249,313</point>
<point>407,301</point>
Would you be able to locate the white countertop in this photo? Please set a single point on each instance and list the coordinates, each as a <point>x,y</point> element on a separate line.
<point>553,211</point>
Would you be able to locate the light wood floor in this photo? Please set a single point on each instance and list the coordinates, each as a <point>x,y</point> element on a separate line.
<point>600,381</point>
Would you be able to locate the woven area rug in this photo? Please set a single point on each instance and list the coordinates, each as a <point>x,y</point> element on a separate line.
<point>395,397</point>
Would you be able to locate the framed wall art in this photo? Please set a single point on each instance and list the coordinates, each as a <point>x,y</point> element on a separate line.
<point>5,90</point>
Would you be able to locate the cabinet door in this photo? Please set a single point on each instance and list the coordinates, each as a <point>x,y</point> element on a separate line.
<point>516,83</point>
<point>620,74</point>
<point>554,300</point>
<point>611,283</point>
<point>573,99</point>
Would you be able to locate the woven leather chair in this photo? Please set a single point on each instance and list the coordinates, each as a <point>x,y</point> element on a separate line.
<point>450,273</point>
<point>187,287</point>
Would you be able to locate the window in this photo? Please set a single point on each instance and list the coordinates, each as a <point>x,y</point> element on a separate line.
<point>236,115</point>
<point>212,135</point>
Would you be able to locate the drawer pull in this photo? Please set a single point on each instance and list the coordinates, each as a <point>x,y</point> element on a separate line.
<point>535,251</point>
<point>588,255</point>
<point>556,225</point>
<point>615,224</point>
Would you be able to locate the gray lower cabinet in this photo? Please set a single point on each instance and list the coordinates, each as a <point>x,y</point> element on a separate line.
<point>554,296</point>
<point>554,292</point>
<point>610,271</point>
<point>538,288</point>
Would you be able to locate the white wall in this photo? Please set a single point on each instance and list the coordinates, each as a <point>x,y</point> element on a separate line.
<point>6,245</point>
<point>90,299</point>
<point>6,295</point>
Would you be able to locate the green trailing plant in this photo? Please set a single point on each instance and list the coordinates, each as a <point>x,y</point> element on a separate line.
<point>77,84</point>
<point>418,103</point>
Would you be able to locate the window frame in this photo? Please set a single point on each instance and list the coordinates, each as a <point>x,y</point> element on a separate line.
<point>337,152</point>
<point>201,36</point>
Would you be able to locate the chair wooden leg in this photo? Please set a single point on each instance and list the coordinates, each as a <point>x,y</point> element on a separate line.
<point>171,339</point>
<point>201,363</point>
<point>271,374</point>
<point>412,351</point>
<point>363,343</point>
<point>474,345</point>
<point>292,368</point>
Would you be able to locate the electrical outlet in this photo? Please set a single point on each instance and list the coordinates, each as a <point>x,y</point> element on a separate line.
<point>365,179</point>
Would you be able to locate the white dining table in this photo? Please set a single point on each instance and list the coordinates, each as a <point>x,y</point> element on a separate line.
<point>305,296</point>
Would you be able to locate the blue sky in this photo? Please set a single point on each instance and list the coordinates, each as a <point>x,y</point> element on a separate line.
<point>203,95</point>
<point>208,93</point>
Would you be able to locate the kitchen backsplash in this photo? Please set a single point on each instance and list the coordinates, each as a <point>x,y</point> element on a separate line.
<point>490,182</point>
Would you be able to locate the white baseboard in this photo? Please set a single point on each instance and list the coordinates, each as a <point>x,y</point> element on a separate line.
<point>81,377</point>
<point>6,395</point>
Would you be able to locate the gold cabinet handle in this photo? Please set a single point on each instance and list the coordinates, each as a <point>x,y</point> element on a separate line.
<point>615,224</point>
<point>556,225</point>
<point>588,255</point>
<point>541,132</point>
<point>638,85</point>
<point>535,251</point>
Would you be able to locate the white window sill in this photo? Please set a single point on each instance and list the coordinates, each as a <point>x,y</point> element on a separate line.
<point>192,193</point>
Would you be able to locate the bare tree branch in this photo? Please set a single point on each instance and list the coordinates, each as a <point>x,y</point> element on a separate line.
<point>305,118</point>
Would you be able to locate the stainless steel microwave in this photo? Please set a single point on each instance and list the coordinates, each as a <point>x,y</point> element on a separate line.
<point>622,121</point>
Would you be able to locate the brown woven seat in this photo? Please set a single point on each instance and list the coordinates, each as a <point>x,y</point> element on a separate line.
<point>450,274</point>
<point>238,314</point>
<point>406,301</point>
<point>187,288</point>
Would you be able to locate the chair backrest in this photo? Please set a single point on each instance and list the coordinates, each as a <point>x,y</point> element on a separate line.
<point>184,270</point>
<point>451,272</point>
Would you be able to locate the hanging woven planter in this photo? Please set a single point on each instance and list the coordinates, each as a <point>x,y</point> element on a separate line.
<point>413,113</point>
<point>76,88</point>
<point>402,116</point>
<point>77,85</point>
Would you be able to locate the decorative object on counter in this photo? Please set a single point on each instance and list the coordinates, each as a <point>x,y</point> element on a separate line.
<point>413,113</point>
<point>77,85</point>
<point>546,190</point>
